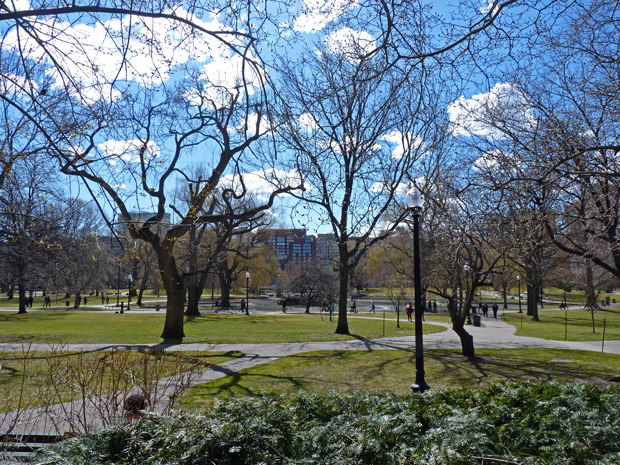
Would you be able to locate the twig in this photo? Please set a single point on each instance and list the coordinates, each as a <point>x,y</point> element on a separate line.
<point>495,460</point>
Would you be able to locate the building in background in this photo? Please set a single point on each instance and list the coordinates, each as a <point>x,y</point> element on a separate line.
<point>290,246</point>
<point>326,249</point>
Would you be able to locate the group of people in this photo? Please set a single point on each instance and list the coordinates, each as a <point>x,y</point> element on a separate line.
<point>484,308</point>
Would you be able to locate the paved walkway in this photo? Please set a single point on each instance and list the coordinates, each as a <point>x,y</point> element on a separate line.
<point>494,333</point>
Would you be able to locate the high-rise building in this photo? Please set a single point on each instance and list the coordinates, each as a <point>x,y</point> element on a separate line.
<point>290,245</point>
<point>326,248</point>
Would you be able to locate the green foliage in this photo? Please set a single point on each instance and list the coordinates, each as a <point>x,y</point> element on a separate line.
<point>525,423</point>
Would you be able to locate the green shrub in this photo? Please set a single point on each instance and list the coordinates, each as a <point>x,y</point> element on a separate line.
<point>525,423</point>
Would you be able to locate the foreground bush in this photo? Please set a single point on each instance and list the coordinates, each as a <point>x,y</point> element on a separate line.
<point>525,423</point>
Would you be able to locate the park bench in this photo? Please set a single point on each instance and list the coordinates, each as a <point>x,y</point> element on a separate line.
<point>16,446</point>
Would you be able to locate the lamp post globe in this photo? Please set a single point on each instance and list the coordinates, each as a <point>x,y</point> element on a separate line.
<point>247,292</point>
<point>415,203</point>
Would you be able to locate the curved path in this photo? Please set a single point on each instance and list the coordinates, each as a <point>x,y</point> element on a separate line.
<point>494,333</point>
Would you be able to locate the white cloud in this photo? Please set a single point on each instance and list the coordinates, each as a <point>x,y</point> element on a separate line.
<point>129,151</point>
<point>319,13</point>
<point>261,184</point>
<point>20,86</point>
<point>487,6</point>
<point>308,121</point>
<point>264,125</point>
<point>486,162</point>
<point>144,50</point>
<point>17,5</point>
<point>504,107</point>
<point>223,78</point>
<point>404,142</point>
<point>350,43</point>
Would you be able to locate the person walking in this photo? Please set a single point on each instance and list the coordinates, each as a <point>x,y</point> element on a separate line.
<point>409,311</point>
<point>495,308</point>
<point>485,310</point>
<point>283,305</point>
<point>372,306</point>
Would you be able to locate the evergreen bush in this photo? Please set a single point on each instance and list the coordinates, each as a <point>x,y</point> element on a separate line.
<point>514,423</point>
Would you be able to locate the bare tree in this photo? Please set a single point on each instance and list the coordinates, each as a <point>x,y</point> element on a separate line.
<point>313,282</point>
<point>357,128</point>
<point>546,135</point>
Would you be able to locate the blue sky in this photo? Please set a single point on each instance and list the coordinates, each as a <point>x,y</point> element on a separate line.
<point>114,55</point>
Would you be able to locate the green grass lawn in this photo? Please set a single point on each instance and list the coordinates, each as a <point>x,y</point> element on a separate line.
<point>552,324</point>
<point>393,371</point>
<point>135,328</point>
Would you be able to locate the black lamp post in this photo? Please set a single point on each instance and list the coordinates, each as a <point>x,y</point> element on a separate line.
<point>247,292</point>
<point>519,281</point>
<point>118,284</point>
<point>415,203</point>
<point>467,268</point>
<point>129,280</point>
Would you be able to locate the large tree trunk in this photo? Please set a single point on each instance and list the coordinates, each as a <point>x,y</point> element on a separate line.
<point>533,291</point>
<point>193,291</point>
<point>175,289</point>
<point>343,325</point>
<point>21,289</point>
<point>224,290</point>
<point>467,341</point>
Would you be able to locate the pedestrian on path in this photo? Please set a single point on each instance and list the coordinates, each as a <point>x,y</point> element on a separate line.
<point>372,306</point>
<point>495,308</point>
<point>409,311</point>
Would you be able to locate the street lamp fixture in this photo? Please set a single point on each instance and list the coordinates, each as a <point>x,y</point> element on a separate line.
<point>247,292</point>
<point>519,281</point>
<point>415,202</point>
<point>466,268</point>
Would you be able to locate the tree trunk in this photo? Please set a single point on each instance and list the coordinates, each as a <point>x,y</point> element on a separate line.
<point>532,301</point>
<point>11,291</point>
<point>175,289</point>
<point>589,287</point>
<point>143,284</point>
<point>193,292</point>
<point>467,341</point>
<point>21,289</point>
<point>224,291</point>
<point>343,325</point>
